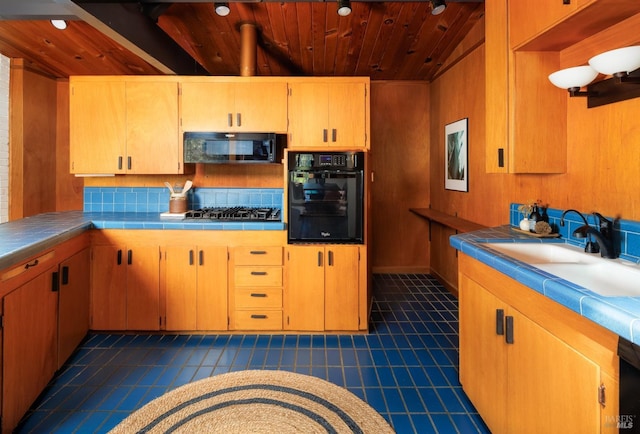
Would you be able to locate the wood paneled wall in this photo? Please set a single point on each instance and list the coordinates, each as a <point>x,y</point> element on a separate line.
<point>32,142</point>
<point>401,162</point>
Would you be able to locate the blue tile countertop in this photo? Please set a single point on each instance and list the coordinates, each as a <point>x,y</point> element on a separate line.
<point>22,238</point>
<point>621,315</point>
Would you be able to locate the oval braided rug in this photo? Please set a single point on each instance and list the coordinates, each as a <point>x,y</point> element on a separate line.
<point>257,402</point>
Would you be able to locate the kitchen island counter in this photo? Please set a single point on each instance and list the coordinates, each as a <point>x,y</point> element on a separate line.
<point>620,315</point>
<point>20,239</point>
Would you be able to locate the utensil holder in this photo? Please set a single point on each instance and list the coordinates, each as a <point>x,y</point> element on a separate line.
<point>178,204</point>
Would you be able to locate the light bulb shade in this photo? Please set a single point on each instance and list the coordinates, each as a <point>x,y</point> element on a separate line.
<point>575,77</point>
<point>344,8</point>
<point>222,9</point>
<point>438,7</point>
<point>59,24</point>
<point>622,60</point>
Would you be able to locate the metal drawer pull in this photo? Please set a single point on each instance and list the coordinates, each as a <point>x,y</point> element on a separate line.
<point>200,257</point>
<point>119,257</point>
<point>129,163</point>
<point>129,257</point>
<point>334,135</point>
<point>258,252</point>
<point>258,273</point>
<point>239,120</point>
<point>230,119</point>
<point>324,135</point>
<point>255,316</point>
<point>330,258</point>
<point>65,275</point>
<point>509,331</point>
<point>31,264</point>
<point>319,259</point>
<point>190,257</point>
<point>255,294</point>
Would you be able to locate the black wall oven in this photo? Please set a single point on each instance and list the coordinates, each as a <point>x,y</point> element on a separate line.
<point>326,197</point>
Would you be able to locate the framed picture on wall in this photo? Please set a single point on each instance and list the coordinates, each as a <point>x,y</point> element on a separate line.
<point>456,162</point>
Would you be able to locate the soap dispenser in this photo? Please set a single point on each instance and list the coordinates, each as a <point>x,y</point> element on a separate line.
<point>534,217</point>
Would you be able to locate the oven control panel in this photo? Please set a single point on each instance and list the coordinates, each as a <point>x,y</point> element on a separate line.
<point>328,160</point>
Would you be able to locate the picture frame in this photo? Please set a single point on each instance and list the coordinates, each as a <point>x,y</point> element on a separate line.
<point>456,155</point>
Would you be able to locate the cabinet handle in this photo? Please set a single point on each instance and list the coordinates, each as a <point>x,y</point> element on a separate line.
<point>330,258</point>
<point>190,257</point>
<point>200,257</point>
<point>65,275</point>
<point>500,157</point>
<point>324,135</point>
<point>239,119</point>
<point>128,163</point>
<point>230,119</point>
<point>256,316</point>
<point>55,282</point>
<point>319,259</point>
<point>566,2</point>
<point>500,322</point>
<point>119,260</point>
<point>258,273</point>
<point>509,334</point>
<point>129,257</point>
<point>258,252</point>
<point>120,163</point>
<point>31,264</point>
<point>334,135</point>
<point>256,294</point>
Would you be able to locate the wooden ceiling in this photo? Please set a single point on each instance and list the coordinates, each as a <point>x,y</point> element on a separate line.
<point>382,40</point>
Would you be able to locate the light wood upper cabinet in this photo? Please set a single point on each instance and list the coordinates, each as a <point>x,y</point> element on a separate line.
<point>249,106</point>
<point>122,125</point>
<point>97,121</point>
<point>527,22</point>
<point>526,361</point>
<point>328,114</point>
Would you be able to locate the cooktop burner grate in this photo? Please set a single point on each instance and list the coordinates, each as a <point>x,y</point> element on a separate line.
<point>238,213</point>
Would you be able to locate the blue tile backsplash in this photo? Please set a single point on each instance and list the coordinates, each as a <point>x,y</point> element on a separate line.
<point>627,231</point>
<point>156,199</point>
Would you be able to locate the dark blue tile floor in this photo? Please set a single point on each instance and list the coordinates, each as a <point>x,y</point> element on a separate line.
<point>406,368</point>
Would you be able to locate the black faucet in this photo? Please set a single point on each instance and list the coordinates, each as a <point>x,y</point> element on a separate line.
<point>590,247</point>
<point>604,236</point>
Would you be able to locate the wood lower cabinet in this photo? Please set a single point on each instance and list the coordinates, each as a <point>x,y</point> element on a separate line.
<point>323,288</point>
<point>329,114</point>
<point>527,363</point>
<point>125,282</point>
<point>29,344</point>
<point>255,289</point>
<point>73,304</point>
<point>196,288</point>
<point>44,308</point>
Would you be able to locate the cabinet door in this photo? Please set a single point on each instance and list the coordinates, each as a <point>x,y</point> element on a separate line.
<point>527,22</point>
<point>211,291</point>
<point>308,115</point>
<point>181,278</point>
<point>261,107</point>
<point>305,288</point>
<point>483,363</point>
<point>341,288</point>
<point>153,141</point>
<point>143,287</point>
<point>108,288</point>
<point>552,388</point>
<point>207,107</point>
<point>347,115</point>
<point>29,345</point>
<point>73,304</point>
<point>97,125</point>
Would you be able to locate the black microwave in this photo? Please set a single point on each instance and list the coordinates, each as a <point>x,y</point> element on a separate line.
<point>202,147</point>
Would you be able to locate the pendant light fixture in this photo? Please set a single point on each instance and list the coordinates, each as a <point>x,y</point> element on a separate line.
<point>438,6</point>
<point>222,9</point>
<point>344,8</point>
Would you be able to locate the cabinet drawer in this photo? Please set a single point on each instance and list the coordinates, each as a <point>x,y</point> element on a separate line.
<point>258,255</point>
<point>257,320</point>
<point>25,271</point>
<point>258,276</point>
<point>258,298</point>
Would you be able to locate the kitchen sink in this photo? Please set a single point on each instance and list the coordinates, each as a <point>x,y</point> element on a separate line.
<point>607,277</point>
<point>538,253</point>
